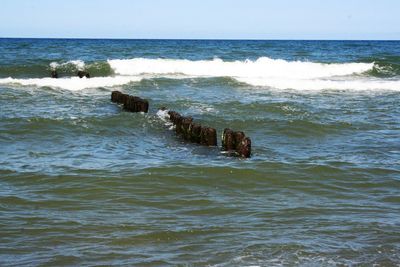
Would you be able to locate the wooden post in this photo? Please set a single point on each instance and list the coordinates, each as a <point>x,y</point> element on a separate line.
<point>131,103</point>
<point>236,142</point>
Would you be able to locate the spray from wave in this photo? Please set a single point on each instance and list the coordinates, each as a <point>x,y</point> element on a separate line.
<point>263,72</point>
<point>72,64</point>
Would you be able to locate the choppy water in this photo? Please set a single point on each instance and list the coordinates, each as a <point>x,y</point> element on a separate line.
<point>84,183</point>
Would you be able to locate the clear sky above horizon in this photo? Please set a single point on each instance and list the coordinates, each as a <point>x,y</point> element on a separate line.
<point>206,19</point>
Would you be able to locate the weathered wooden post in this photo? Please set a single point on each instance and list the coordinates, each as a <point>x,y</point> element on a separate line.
<point>236,142</point>
<point>116,96</point>
<point>208,136</point>
<point>83,73</point>
<point>131,103</point>
<point>244,148</point>
<point>186,121</point>
<point>195,132</point>
<point>54,74</point>
<point>228,140</point>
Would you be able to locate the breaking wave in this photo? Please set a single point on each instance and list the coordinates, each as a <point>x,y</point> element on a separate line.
<point>266,72</point>
<point>261,68</point>
<point>263,72</point>
<point>73,83</point>
<point>75,64</point>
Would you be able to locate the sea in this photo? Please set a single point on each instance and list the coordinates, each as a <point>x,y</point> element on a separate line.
<point>85,183</point>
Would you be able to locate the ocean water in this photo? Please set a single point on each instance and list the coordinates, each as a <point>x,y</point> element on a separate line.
<point>83,183</point>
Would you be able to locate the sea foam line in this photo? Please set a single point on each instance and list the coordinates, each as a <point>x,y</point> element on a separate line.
<point>263,67</point>
<point>263,72</point>
<point>73,83</point>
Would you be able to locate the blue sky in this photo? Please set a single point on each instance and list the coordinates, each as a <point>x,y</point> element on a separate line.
<point>204,19</point>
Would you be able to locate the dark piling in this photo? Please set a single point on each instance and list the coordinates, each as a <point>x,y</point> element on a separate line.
<point>83,73</point>
<point>54,74</point>
<point>195,133</point>
<point>236,142</point>
<point>191,131</point>
<point>131,103</point>
<point>116,97</point>
<point>208,136</point>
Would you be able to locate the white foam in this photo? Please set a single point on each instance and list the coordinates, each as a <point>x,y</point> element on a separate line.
<point>79,64</point>
<point>267,72</point>
<point>163,115</point>
<point>361,84</point>
<point>263,67</point>
<point>54,65</point>
<point>263,72</point>
<point>73,83</point>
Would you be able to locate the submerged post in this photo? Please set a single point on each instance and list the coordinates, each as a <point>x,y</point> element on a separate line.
<point>82,74</point>
<point>130,103</point>
<point>191,131</point>
<point>236,142</point>
<point>54,74</point>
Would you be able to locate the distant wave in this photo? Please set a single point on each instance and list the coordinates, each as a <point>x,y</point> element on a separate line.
<point>263,67</point>
<point>266,72</point>
<point>73,83</point>
<point>100,68</point>
<point>263,72</point>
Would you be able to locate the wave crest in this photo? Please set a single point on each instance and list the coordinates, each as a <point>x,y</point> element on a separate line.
<point>263,67</point>
<point>73,83</point>
<point>263,72</point>
<point>72,64</point>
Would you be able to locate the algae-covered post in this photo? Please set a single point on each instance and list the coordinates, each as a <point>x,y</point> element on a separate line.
<point>191,131</point>
<point>236,142</point>
<point>83,73</point>
<point>116,96</point>
<point>208,136</point>
<point>131,103</point>
<point>195,133</point>
<point>54,74</point>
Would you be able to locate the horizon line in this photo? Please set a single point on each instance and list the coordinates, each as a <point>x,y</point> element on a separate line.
<point>194,39</point>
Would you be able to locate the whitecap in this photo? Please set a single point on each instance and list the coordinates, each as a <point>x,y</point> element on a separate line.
<point>73,83</point>
<point>265,72</point>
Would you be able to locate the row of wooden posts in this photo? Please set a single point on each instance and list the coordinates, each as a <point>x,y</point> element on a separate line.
<point>80,74</point>
<point>234,142</point>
